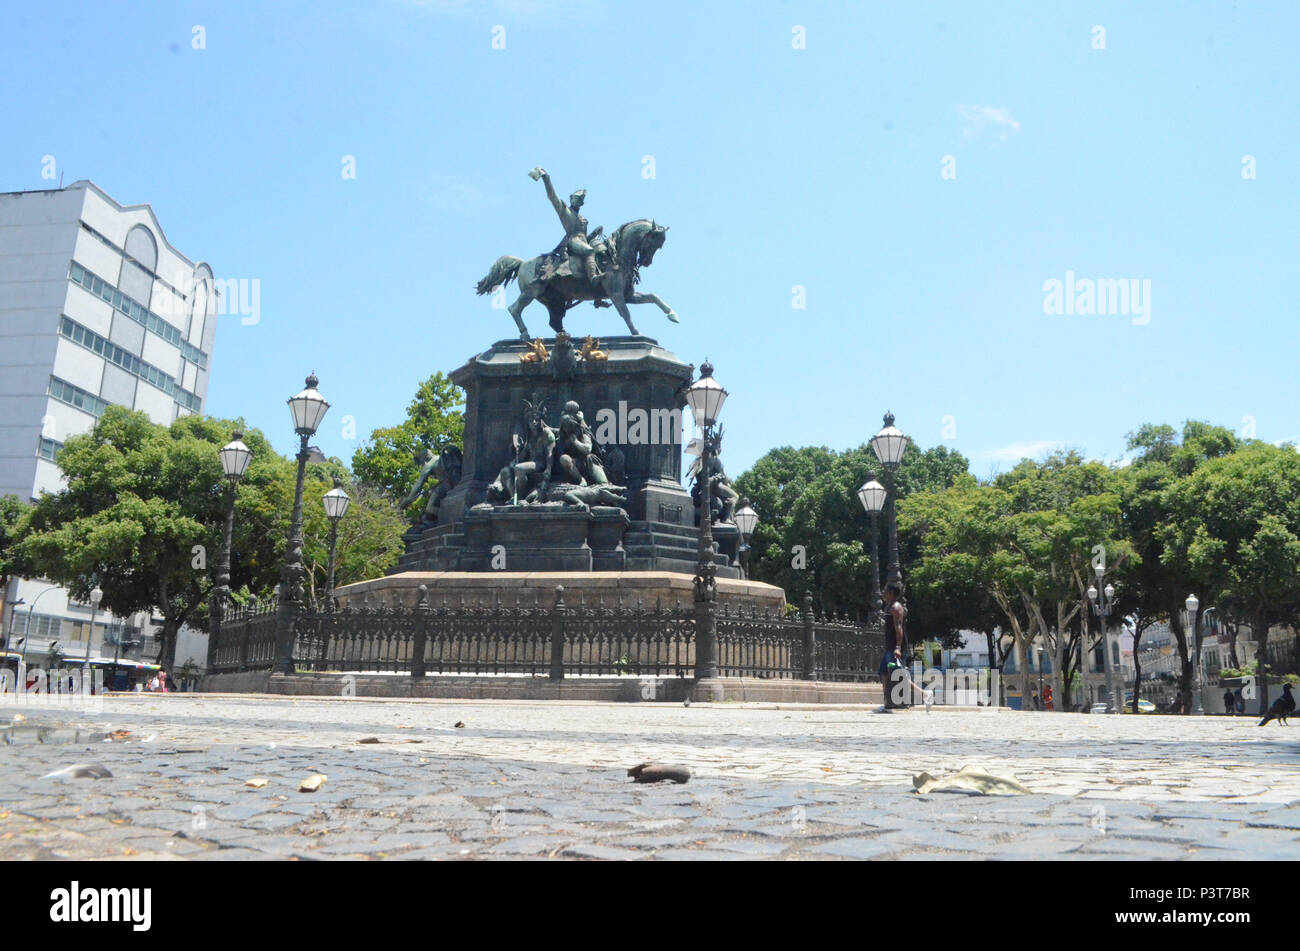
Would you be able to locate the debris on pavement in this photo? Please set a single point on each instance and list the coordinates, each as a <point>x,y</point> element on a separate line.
<point>652,773</point>
<point>257,782</point>
<point>80,771</point>
<point>311,783</point>
<point>971,779</point>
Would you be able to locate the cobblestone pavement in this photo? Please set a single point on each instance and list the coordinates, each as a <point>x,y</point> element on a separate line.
<point>526,780</point>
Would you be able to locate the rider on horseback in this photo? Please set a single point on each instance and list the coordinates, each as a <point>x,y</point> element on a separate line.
<point>577,242</point>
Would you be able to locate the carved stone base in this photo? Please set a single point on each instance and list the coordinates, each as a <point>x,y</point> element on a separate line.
<point>544,538</point>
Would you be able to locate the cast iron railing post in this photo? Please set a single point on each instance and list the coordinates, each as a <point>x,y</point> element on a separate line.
<point>421,633</point>
<point>705,584</point>
<point>292,575</point>
<point>809,639</point>
<point>557,635</point>
<point>247,618</point>
<point>221,591</point>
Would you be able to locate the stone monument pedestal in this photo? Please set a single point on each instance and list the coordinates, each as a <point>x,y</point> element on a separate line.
<point>632,400</point>
<point>544,538</point>
<point>537,589</point>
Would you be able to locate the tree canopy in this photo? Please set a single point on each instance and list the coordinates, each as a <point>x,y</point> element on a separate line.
<point>1197,510</point>
<point>143,510</point>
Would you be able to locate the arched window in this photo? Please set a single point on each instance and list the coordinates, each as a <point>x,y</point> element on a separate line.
<point>141,246</point>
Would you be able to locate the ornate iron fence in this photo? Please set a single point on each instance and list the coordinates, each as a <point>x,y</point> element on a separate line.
<point>846,651</point>
<point>555,639</point>
<point>754,644</point>
<point>246,638</point>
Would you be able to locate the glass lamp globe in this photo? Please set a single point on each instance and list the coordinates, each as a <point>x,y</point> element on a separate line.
<point>336,501</point>
<point>746,519</point>
<point>872,496</point>
<point>308,408</point>
<point>235,457</point>
<point>705,397</point>
<point>889,443</point>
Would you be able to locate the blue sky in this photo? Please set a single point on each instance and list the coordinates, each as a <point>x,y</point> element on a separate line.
<point>775,167</point>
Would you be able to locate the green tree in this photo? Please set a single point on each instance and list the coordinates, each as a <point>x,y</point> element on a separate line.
<point>434,419</point>
<point>143,513</point>
<point>813,534</point>
<point>13,513</point>
<point>1156,582</point>
<point>1234,528</point>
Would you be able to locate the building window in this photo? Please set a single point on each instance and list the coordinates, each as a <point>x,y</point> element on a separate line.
<point>132,364</point>
<point>75,396</point>
<point>41,625</point>
<point>141,248</point>
<point>126,254</point>
<point>137,312</point>
<point>48,449</point>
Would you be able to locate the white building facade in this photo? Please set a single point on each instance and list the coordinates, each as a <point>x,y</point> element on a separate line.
<point>96,308</point>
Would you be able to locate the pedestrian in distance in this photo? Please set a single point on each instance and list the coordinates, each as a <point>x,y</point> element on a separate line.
<point>892,668</point>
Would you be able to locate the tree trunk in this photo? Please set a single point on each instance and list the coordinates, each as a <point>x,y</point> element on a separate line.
<point>994,665</point>
<point>167,645</point>
<point>1261,659</point>
<point>1137,667</point>
<point>1184,655</point>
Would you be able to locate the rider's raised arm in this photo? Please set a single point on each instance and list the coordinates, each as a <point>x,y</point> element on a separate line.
<point>560,208</point>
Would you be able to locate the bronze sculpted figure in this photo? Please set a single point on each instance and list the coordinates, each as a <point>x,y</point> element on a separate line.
<point>723,499</point>
<point>576,240</point>
<point>585,496</point>
<point>444,469</point>
<point>576,459</point>
<point>562,286</point>
<point>554,465</point>
<point>527,476</point>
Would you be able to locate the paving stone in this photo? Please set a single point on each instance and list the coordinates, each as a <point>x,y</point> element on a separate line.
<point>606,852</point>
<point>697,855</point>
<point>553,774</point>
<point>854,848</point>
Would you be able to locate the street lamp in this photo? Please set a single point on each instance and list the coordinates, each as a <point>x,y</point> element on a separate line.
<point>888,445</point>
<point>1192,604</point>
<point>235,457</point>
<point>8,620</point>
<point>872,496</point>
<point>27,623</point>
<point>96,595</point>
<point>336,506</point>
<point>1102,605</point>
<point>705,397</point>
<point>307,409</point>
<point>746,520</point>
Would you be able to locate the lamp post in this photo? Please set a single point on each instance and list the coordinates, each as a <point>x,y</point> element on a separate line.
<point>872,496</point>
<point>8,618</point>
<point>336,506</point>
<point>234,457</point>
<point>746,520</point>
<point>705,397</point>
<point>1192,604</point>
<point>888,445</point>
<point>307,409</point>
<point>27,622</point>
<point>1102,604</point>
<point>96,595</point>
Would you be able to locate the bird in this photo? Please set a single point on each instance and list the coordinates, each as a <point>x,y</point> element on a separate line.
<point>1282,707</point>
